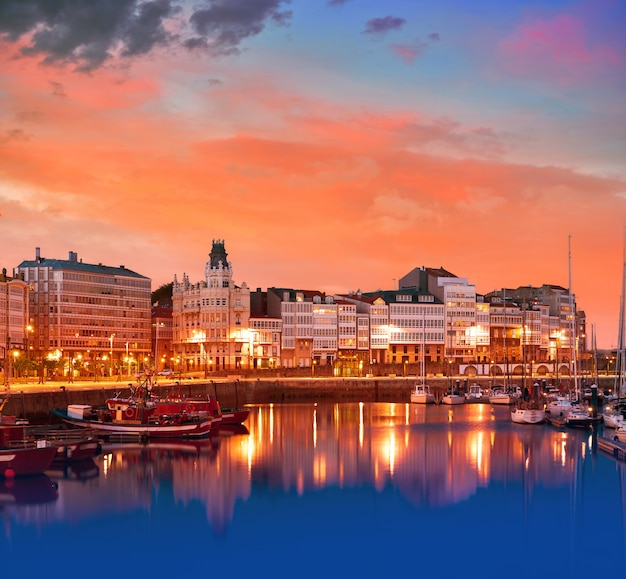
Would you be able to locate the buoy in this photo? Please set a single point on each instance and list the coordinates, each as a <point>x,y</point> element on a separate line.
<point>9,473</point>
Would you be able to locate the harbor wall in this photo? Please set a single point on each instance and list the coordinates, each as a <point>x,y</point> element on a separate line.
<point>36,404</point>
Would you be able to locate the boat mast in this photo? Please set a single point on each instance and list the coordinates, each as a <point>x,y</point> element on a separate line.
<point>619,367</point>
<point>573,340</point>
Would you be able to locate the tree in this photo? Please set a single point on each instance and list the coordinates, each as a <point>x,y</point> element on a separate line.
<point>163,293</point>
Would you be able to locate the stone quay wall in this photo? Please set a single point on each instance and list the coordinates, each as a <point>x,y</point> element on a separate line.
<point>36,403</point>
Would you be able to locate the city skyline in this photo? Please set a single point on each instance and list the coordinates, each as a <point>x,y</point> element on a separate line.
<point>333,144</point>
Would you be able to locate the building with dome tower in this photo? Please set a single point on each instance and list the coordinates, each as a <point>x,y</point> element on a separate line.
<point>210,319</point>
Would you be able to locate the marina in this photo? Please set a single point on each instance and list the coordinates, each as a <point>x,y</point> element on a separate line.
<point>335,477</point>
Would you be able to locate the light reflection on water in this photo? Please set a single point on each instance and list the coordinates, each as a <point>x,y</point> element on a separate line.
<point>352,483</point>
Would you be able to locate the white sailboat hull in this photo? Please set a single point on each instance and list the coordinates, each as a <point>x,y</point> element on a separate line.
<point>528,415</point>
<point>453,399</point>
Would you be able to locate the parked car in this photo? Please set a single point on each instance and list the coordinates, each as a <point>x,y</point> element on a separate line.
<point>165,372</point>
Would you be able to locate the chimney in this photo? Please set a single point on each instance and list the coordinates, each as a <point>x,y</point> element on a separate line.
<point>37,253</point>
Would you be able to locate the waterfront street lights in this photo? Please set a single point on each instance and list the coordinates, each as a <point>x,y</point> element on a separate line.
<point>111,355</point>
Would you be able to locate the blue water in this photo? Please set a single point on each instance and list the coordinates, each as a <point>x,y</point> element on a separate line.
<point>330,490</point>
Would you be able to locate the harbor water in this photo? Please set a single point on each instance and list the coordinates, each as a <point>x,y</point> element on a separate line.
<point>328,490</point>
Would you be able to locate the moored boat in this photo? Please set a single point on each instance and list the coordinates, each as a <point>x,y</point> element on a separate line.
<point>499,395</point>
<point>421,394</point>
<point>524,413</point>
<point>475,393</point>
<point>127,417</point>
<point>613,416</point>
<point>19,457</point>
<point>452,398</point>
<point>203,407</point>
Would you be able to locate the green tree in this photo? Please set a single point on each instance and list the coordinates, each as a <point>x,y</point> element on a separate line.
<point>163,292</point>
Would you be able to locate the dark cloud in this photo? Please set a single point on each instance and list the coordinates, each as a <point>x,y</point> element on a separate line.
<point>337,2</point>
<point>222,25</point>
<point>13,135</point>
<point>382,25</point>
<point>434,36</point>
<point>57,89</point>
<point>88,33</point>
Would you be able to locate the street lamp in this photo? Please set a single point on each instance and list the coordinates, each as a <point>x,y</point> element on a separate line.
<point>111,356</point>
<point>156,345</point>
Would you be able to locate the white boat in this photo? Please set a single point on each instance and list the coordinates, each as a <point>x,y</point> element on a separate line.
<point>528,413</point>
<point>559,405</point>
<point>579,416</point>
<point>475,392</point>
<point>612,417</point>
<point>421,394</point>
<point>620,434</point>
<point>452,398</point>
<point>498,395</point>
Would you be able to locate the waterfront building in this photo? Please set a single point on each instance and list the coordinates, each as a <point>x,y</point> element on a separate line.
<point>89,319</point>
<point>162,334</point>
<point>403,323</point>
<point>295,309</point>
<point>15,329</point>
<point>265,332</point>
<point>211,319</point>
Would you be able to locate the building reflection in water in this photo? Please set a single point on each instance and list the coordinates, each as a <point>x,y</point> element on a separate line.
<point>432,456</point>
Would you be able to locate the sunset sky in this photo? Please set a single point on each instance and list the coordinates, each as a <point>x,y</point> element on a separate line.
<point>332,144</point>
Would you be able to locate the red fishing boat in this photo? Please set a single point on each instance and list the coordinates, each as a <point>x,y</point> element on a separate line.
<point>136,417</point>
<point>208,406</point>
<point>19,457</point>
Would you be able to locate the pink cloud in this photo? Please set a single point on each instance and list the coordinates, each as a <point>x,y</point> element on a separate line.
<point>409,52</point>
<point>559,49</point>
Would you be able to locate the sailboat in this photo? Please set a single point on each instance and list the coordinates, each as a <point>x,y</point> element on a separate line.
<point>421,393</point>
<point>529,410</point>
<point>578,415</point>
<point>509,394</point>
<point>613,414</point>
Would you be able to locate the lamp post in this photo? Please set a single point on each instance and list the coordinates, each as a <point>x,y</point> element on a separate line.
<point>156,345</point>
<point>111,355</point>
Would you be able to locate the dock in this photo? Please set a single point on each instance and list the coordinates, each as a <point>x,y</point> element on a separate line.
<point>613,448</point>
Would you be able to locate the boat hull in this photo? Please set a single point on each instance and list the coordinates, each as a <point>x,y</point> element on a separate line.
<point>25,461</point>
<point>422,398</point>
<point>528,415</point>
<point>190,429</point>
<point>453,399</point>
<point>504,399</point>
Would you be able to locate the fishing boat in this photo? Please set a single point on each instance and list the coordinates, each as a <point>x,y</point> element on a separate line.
<point>72,444</point>
<point>20,457</point>
<point>202,407</point>
<point>136,418</point>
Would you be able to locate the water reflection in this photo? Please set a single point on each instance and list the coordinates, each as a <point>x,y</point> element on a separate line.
<point>432,458</point>
<point>434,455</point>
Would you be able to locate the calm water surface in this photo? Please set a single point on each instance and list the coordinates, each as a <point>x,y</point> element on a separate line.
<point>327,490</point>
